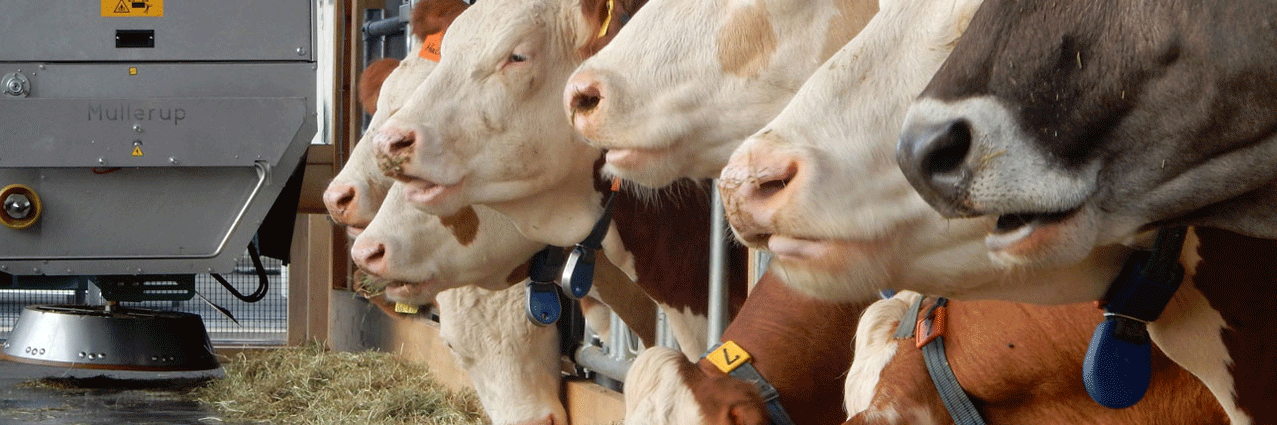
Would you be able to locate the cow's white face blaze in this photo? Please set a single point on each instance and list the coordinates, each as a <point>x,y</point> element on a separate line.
<point>513,364</point>
<point>483,128</point>
<point>476,246</point>
<point>686,80</point>
<point>357,190</point>
<point>819,186</point>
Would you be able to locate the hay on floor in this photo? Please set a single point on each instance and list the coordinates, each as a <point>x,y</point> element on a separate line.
<point>312,385</point>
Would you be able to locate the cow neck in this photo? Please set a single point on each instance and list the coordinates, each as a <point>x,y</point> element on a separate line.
<point>667,232</point>
<point>1235,277</point>
<point>1118,364</point>
<point>789,335</point>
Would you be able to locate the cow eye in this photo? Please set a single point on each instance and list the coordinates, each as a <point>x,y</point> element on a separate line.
<point>515,57</point>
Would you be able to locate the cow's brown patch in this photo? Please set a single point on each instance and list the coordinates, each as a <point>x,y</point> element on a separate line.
<point>746,43</point>
<point>852,17</point>
<point>432,16</point>
<point>795,342</point>
<point>596,13</point>
<point>1236,276</point>
<point>723,400</point>
<point>464,225</point>
<point>370,82</point>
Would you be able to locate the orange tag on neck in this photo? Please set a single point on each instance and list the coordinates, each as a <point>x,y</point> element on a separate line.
<point>430,47</point>
<point>616,184</point>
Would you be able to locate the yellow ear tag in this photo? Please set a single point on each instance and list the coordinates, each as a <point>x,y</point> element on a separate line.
<point>405,308</point>
<point>728,357</point>
<point>607,21</point>
<point>430,47</point>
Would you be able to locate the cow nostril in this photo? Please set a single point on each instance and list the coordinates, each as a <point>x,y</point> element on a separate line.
<point>339,197</point>
<point>346,198</point>
<point>402,144</point>
<point>949,149</point>
<point>370,258</point>
<point>585,100</point>
<point>771,185</point>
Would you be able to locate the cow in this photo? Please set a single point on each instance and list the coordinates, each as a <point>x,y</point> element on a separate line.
<point>1129,116</point>
<point>687,80</point>
<point>371,80</point>
<point>484,129</point>
<point>353,196</point>
<point>1018,363</point>
<point>418,255</point>
<point>821,192</point>
<point>796,343</point>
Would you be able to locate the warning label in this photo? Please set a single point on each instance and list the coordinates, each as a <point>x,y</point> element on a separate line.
<point>137,150</point>
<point>132,8</point>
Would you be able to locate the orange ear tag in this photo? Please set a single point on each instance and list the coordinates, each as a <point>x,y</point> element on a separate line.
<point>430,47</point>
<point>616,184</point>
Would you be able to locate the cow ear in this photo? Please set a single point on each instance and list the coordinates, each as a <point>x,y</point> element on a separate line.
<point>370,82</point>
<point>432,16</point>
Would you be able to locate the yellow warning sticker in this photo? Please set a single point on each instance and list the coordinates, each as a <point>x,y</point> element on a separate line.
<point>132,8</point>
<point>728,357</point>
<point>137,150</point>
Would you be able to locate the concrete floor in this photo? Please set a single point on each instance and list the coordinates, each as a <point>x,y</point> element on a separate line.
<point>151,398</point>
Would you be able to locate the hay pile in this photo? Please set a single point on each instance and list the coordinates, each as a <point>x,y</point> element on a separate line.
<point>311,385</point>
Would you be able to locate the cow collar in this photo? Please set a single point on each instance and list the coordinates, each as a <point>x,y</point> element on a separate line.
<point>1118,364</point>
<point>733,360</point>
<point>928,333</point>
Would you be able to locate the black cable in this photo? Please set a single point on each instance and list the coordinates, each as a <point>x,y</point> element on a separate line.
<point>263,285</point>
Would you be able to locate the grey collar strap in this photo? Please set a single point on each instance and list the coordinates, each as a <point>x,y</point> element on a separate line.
<point>954,397</point>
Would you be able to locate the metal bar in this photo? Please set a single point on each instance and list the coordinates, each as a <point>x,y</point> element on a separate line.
<point>718,297</point>
<point>263,178</point>
<point>385,27</point>
<point>598,361</point>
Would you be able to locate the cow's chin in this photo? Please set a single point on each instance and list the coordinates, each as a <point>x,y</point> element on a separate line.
<point>415,294</point>
<point>1055,240</point>
<point>648,167</point>
<point>830,269</point>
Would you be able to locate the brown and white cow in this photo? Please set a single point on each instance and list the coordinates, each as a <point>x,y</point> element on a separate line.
<point>1019,363</point>
<point>1129,116</point>
<point>799,344</point>
<point>354,195</point>
<point>686,80</point>
<point>484,129</point>
<point>818,186</point>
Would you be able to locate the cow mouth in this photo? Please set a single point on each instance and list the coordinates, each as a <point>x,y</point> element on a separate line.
<point>1015,229</point>
<point>789,247</point>
<point>354,231</point>
<point>632,158</point>
<point>424,192</point>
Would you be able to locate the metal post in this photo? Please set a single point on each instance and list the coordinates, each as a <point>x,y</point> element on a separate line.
<point>718,297</point>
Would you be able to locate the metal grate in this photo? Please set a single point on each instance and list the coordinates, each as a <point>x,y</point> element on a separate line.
<point>262,323</point>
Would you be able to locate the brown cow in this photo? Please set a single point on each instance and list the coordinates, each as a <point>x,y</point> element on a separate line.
<point>1020,364</point>
<point>798,344</point>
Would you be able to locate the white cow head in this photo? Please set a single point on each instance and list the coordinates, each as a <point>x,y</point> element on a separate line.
<point>476,246</point>
<point>819,187</point>
<point>686,80</point>
<point>513,364</point>
<point>484,128</point>
<point>356,192</point>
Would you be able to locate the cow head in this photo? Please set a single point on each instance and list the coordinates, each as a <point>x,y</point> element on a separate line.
<point>475,246</point>
<point>513,364</point>
<point>818,188</point>
<point>1079,124</point>
<point>675,92</point>
<point>356,192</point>
<point>484,127</point>
<point>663,388</point>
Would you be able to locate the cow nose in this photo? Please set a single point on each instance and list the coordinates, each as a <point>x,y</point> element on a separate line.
<point>755,185</point>
<point>369,254</point>
<point>934,159</point>
<point>394,142</point>
<point>339,198</point>
<point>582,97</point>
